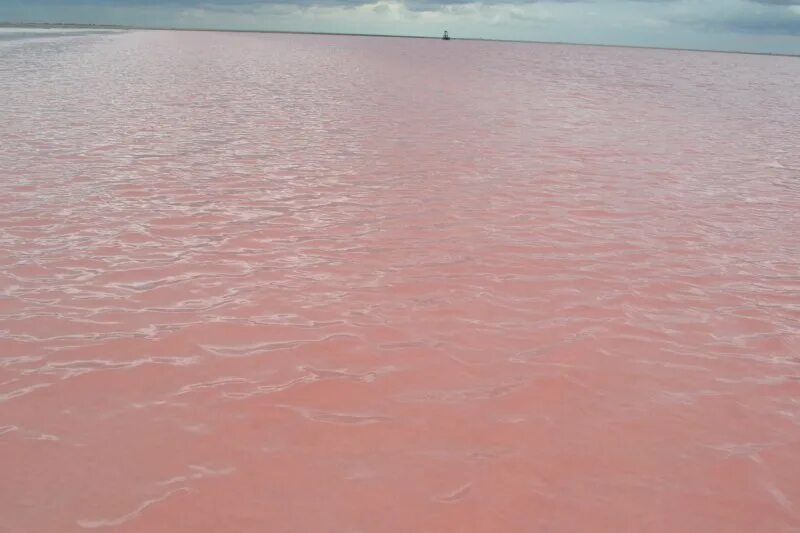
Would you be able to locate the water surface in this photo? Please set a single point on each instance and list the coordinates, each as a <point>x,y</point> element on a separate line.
<point>255,282</point>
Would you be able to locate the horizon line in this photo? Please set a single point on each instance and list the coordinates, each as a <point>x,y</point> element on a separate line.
<point>8,24</point>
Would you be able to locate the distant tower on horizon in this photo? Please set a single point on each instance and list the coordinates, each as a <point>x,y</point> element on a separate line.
<point>445,37</point>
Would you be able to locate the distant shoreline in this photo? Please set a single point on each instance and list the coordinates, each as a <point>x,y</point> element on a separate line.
<point>69,25</point>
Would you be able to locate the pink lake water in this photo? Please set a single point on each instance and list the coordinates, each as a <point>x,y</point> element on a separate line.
<point>340,284</point>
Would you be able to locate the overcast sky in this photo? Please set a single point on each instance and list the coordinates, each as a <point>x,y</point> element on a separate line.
<point>750,25</point>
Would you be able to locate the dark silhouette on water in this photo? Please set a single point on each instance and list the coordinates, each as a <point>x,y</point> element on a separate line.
<point>445,37</point>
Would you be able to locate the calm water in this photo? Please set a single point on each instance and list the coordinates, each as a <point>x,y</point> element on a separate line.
<point>339,284</point>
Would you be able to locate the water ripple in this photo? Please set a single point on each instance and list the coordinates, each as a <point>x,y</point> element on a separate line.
<point>566,276</point>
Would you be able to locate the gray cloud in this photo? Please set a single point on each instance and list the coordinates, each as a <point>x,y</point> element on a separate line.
<point>781,23</point>
<point>771,17</point>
